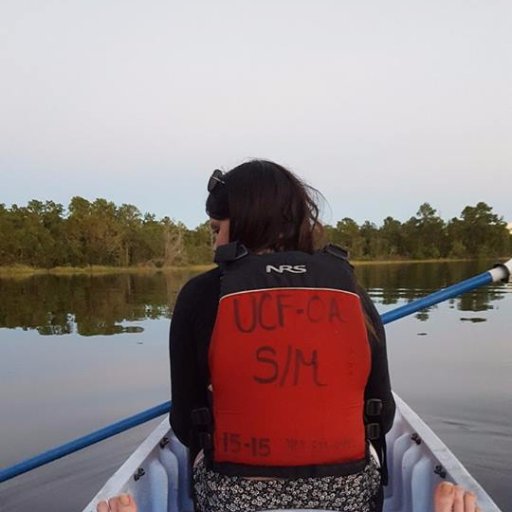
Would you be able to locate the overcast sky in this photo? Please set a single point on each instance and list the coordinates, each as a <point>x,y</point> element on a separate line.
<point>381,105</point>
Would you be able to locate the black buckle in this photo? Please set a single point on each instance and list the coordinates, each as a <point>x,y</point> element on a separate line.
<point>201,417</point>
<point>373,431</point>
<point>373,407</point>
<point>205,440</point>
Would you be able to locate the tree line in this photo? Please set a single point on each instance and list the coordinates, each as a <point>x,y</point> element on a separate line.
<point>44,234</point>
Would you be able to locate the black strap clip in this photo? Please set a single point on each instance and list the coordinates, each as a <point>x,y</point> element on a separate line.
<point>373,407</point>
<point>206,443</point>
<point>201,418</point>
<point>373,431</point>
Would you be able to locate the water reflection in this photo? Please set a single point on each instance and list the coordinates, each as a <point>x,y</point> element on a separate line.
<point>88,305</point>
<point>398,283</point>
<point>98,305</point>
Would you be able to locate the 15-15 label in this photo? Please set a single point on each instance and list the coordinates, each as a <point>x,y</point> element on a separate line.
<point>236,443</point>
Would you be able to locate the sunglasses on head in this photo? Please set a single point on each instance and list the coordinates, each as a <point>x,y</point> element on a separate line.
<point>215,179</point>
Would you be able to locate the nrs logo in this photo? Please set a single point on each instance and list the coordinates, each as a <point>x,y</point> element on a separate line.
<point>294,269</point>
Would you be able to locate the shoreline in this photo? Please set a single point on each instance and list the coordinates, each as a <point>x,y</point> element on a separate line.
<point>28,271</point>
<point>95,270</point>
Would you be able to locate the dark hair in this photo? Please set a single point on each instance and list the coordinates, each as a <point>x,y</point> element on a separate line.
<point>268,207</point>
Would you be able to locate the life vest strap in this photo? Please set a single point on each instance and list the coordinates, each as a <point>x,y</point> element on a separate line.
<point>372,431</point>
<point>230,252</point>
<point>202,418</point>
<point>375,433</point>
<point>337,251</point>
<point>202,429</point>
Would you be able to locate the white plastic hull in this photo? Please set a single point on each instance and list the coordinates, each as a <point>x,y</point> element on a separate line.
<point>157,474</point>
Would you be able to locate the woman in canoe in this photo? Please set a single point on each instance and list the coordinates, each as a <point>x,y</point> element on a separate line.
<point>273,413</point>
<point>279,372</point>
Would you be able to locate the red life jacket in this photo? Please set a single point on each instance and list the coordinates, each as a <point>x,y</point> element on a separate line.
<point>289,360</point>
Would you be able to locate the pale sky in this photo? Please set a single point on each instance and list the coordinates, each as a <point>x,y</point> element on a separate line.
<point>381,105</point>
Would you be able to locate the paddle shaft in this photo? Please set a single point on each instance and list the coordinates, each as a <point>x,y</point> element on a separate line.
<point>500,272</point>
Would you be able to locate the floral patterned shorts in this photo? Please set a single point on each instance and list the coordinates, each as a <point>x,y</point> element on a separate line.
<point>220,493</point>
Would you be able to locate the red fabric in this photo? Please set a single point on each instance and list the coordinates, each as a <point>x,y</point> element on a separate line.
<point>288,368</point>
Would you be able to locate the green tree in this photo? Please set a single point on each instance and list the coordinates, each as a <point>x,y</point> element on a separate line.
<point>95,233</point>
<point>198,244</point>
<point>48,224</point>
<point>483,232</point>
<point>32,234</point>
<point>129,220</point>
<point>174,243</point>
<point>456,237</point>
<point>424,234</point>
<point>392,237</point>
<point>8,242</point>
<point>77,228</point>
<point>151,242</point>
<point>348,236</point>
<point>372,241</point>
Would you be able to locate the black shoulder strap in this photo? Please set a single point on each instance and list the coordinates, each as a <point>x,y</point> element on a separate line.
<point>337,251</point>
<point>230,252</point>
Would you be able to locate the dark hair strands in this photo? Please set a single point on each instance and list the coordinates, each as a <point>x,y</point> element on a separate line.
<point>269,208</point>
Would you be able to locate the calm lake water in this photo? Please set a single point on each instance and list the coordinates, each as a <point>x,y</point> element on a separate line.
<point>80,352</point>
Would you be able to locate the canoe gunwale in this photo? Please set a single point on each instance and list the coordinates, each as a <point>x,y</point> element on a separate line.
<point>455,471</point>
<point>122,478</point>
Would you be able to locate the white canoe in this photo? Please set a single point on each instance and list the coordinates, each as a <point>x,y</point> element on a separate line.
<point>156,473</point>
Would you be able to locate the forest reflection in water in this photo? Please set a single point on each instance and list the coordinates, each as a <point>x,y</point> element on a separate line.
<point>393,283</point>
<point>102,304</point>
<point>87,305</point>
